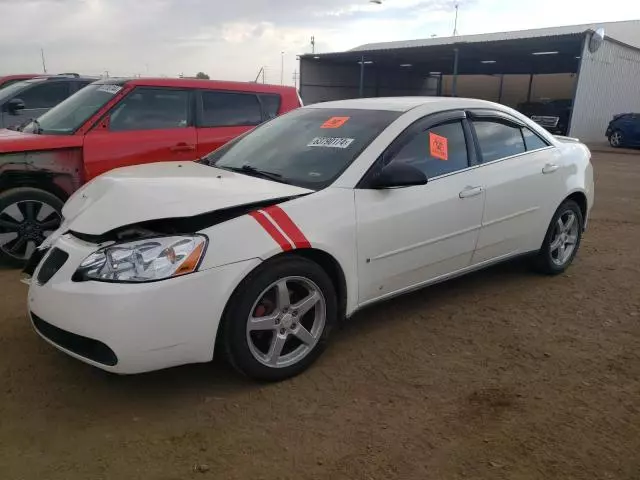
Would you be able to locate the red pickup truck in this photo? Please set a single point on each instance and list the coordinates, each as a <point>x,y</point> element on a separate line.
<point>114,123</point>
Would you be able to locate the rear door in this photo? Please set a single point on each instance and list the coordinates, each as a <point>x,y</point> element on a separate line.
<point>523,178</point>
<point>38,99</point>
<point>150,124</point>
<point>222,116</point>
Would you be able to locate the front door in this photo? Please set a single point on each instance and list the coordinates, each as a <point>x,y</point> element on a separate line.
<point>412,235</point>
<point>523,178</point>
<point>148,125</point>
<point>38,99</point>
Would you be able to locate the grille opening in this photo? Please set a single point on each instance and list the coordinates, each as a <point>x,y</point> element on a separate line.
<point>83,346</point>
<point>52,263</point>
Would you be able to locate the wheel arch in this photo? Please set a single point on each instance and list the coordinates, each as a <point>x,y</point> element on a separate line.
<point>40,180</point>
<point>581,199</point>
<point>332,267</point>
<point>58,172</point>
<point>325,260</point>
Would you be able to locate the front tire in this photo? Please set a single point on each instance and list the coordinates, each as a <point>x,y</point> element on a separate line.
<point>562,240</point>
<point>27,216</point>
<point>279,319</point>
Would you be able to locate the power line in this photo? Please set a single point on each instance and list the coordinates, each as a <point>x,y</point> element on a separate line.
<point>455,24</point>
<point>44,65</point>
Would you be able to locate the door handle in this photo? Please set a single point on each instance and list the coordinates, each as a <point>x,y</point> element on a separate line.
<point>182,147</point>
<point>471,192</point>
<point>550,168</point>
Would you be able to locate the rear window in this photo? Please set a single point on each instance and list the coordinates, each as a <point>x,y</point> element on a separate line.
<point>270,105</point>
<point>222,109</point>
<point>308,147</point>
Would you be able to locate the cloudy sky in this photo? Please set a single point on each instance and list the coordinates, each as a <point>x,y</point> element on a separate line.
<point>232,39</point>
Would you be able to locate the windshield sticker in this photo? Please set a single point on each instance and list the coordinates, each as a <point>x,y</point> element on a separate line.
<point>335,122</point>
<point>331,142</point>
<point>112,89</point>
<point>438,146</point>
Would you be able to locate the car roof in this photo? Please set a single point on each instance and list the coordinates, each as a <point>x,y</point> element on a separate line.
<point>404,104</point>
<point>201,84</point>
<point>19,76</point>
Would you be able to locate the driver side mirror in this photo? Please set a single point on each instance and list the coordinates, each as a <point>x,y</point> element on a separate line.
<point>13,105</point>
<point>399,175</point>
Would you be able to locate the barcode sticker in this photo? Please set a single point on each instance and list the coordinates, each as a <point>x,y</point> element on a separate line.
<point>331,142</point>
<point>113,89</point>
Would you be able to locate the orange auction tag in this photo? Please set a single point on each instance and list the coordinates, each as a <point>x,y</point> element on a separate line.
<point>335,122</point>
<point>438,146</point>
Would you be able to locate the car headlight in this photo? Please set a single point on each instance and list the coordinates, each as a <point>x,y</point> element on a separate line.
<point>145,260</point>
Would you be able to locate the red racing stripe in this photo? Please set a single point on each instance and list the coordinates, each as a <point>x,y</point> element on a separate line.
<point>290,229</point>
<point>272,230</point>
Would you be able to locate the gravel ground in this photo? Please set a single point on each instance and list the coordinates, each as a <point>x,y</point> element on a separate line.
<point>499,375</point>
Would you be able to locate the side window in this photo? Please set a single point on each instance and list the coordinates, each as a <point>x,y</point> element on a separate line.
<point>436,151</point>
<point>270,105</point>
<point>498,140</point>
<point>228,109</point>
<point>44,95</point>
<point>81,84</point>
<point>532,141</point>
<point>151,109</point>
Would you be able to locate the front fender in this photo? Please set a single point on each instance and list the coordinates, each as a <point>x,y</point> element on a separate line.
<point>61,167</point>
<point>323,220</point>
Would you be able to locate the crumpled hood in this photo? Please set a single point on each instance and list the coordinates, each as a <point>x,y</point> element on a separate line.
<point>163,190</point>
<point>13,141</point>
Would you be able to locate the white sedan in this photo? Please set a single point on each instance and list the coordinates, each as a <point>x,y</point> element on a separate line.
<point>259,249</point>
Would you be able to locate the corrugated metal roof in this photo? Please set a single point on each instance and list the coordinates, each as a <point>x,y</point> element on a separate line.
<point>627,32</point>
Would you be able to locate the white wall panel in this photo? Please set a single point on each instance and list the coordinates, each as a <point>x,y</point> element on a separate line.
<point>608,83</point>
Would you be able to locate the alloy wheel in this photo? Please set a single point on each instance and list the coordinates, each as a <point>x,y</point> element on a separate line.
<point>565,238</point>
<point>286,322</point>
<point>24,225</point>
<point>616,139</point>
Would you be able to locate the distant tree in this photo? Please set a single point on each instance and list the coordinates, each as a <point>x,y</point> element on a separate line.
<point>202,76</point>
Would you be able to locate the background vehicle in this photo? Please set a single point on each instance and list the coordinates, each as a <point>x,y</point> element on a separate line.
<point>7,80</point>
<point>115,123</point>
<point>305,220</point>
<point>553,115</point>
<point>624,130</point>
<point>22,101</point>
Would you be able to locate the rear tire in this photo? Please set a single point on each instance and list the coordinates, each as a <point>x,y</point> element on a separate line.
<point>616,139</point>
<point>27,216</point>
<point>562,240</point>
<point>268,330</point>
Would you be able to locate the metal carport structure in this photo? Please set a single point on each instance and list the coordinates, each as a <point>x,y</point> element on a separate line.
<point>507,67</point>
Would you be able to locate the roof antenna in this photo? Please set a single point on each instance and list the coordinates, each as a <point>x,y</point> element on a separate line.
<point>455,25</point>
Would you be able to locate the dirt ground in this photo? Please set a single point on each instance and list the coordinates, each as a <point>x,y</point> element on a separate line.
<point>500,375</point>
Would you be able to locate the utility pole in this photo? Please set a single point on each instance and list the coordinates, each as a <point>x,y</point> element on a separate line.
<point>281,68</point>
<point>295,78</point>
<point>313,44</point>
<point>44,65</point>
<point>455,24</point>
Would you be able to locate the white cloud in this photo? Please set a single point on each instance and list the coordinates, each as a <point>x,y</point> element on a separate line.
<point>233,39</point>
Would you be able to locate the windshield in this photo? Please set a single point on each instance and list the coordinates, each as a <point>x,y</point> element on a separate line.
<point>8,91</point>
<point>308,147</point>
<point>68,116</point>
